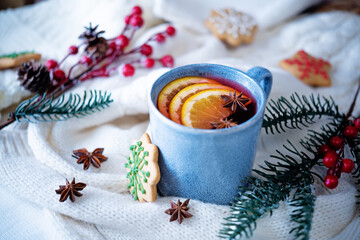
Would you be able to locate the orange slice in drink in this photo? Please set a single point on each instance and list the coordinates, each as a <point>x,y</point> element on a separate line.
<point>179,99</point>
<point>204,108</point>
<point>171,89</point>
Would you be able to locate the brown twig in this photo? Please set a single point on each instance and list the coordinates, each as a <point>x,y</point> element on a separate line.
<point>94,69</point>
<point>10,120</point>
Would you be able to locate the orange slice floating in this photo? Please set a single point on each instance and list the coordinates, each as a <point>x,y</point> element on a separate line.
<point>179,99</point>
<point>205,107</point>
<point>171,89</point>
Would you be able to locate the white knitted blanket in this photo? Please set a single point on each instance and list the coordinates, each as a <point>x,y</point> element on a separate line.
<point>36,158</point>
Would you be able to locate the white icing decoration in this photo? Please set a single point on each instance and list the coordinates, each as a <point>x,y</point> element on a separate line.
<point>233,23</point>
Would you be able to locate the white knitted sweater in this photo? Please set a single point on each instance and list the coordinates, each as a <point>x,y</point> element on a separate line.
<point>36,158</point>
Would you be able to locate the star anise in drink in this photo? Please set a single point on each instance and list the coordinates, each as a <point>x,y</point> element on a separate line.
<point>95,158</point>
<point>178,211</point>
<point>70,190</point>
<point>224,123</point>
<point>234,102</point>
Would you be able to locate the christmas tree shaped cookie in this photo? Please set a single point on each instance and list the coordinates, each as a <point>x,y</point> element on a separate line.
<point>143,171</point>
<point>232,27</point>
<point>312,71</point>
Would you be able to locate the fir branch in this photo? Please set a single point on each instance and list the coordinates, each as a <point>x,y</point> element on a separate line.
<point>355,150</point>
<point>291,170</point>
<point>256,198</point>
<point>43,109</point>
<point>303,201</point>
<point>315,139</point>
<point>297,112</point>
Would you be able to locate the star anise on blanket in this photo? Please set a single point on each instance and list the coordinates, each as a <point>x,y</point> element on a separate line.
<point>224,123</point>
<point>178,211</point>
<point>85,157</point>
<point>235,102</point>
<point>70,190</point>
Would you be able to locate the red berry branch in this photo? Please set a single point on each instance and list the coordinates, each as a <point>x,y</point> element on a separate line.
<point>97,57</point>
<point>333,153</point>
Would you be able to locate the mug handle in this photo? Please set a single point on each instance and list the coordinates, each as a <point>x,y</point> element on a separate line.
<point>263,77</point>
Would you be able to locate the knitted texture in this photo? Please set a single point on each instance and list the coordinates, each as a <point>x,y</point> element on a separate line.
<point>34,160</point>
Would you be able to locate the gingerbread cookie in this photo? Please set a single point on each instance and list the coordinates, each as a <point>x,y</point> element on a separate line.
<point>16,59</point>
<point>312,71</point>
<point>143,170</point>
<point>232,27</point>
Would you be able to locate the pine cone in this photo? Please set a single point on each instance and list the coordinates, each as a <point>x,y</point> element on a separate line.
<point>95,46</point>
<point>34,77</point>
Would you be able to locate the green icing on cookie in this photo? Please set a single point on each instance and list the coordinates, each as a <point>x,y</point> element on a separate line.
<point>15,55</point>
<point>136,175</point>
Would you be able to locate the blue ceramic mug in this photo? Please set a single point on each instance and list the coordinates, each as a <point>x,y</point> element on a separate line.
<point>207,164</point>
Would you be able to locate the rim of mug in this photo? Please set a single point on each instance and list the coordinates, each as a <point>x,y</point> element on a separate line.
<point>180,127</point>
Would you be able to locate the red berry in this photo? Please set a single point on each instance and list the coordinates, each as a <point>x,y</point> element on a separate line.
<point>148,62</point>
<point>160,38</point>
<point>127,19</point>
<point>330,160</point>
<point>357,123</point>
<point>336,142</point>
<point>122,41</point>
<point>59,75</point>
<point>324,149</point>
<point>73,50</point>
<point>170,30</point>
<point>350,132</point>
<point>86,60</point>
<point>136,21</point>
<point>347,166</point>
<point>167,61</point>
<point>136,10</point>
<point>146,50</point>
<point>128,70</point>
<point>51,64</point>
<point>112,46</point>
<point>331,181</point>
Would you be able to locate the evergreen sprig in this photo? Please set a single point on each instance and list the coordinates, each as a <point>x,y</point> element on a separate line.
<point>356,173</point>
<point>289,176</point>
<point>256,198</point>
<point>303,201</point>
<point>42,109</point>
<point>297,112</point>
<point>315,139</point>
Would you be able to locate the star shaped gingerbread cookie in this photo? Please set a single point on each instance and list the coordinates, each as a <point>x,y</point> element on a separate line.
<point>312,71</point>
<point>143,172</point>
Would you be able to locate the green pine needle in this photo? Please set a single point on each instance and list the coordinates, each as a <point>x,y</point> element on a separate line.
<point>298,112</point>
<point>44,109</point>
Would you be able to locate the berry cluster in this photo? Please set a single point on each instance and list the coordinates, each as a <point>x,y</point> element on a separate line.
<point>334,154</point>
<point>100,57</point>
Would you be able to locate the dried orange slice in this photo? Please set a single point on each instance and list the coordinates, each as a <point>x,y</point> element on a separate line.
<point>205,107</point>
<point>179,99</point>
<point>171,89</point>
